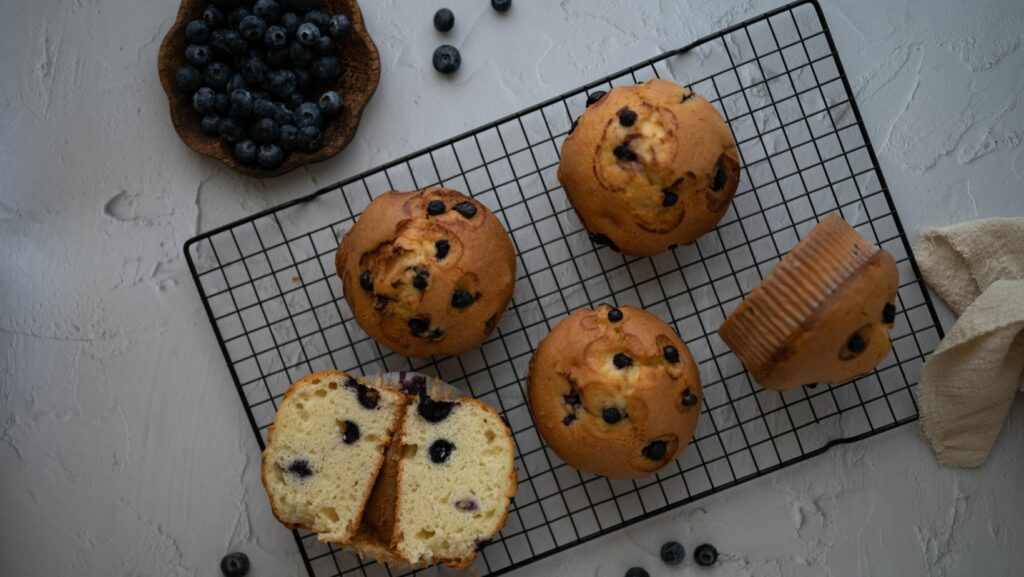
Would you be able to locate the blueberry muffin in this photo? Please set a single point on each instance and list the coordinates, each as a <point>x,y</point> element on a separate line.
<point>324,450</point>
<point>822,315</point>
<point>455,480</point>
<point>427,272</point>
<point>648,167</point>
<point>615,392</point>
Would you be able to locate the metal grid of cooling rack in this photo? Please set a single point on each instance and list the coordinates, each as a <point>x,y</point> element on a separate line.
<point>268,284</point>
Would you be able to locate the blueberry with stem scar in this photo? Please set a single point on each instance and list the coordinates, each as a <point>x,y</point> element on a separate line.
<point>235,565</point>
<point>705,554</point>
<point>672,553</point>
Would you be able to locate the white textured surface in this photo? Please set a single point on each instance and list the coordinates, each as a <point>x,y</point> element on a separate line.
<point>123,448</point>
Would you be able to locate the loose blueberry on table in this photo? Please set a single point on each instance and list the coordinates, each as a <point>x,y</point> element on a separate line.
<point>672,553</point>
<point>234,565</point>
<point>637,572</point>
<point>259,74</point>
<point>501,5</point>
<point>444,20</point>
<point>447,59</point>
<point>706,555</point>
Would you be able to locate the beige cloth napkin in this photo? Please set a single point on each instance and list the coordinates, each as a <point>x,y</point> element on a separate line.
<point>968,384</point>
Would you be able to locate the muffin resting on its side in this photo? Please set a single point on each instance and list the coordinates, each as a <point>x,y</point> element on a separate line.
<point>649,166</point>
<point>427,272</point>
<point>822,315</point>
<point>615,392</point>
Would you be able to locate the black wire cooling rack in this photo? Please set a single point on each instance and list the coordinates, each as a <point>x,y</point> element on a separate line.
<point>269,288</point>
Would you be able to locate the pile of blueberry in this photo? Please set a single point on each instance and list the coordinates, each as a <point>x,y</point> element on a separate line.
<point>259,74</point>
<point>673,553</point>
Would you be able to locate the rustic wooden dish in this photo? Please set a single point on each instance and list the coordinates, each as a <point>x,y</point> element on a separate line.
<point>360,73</point>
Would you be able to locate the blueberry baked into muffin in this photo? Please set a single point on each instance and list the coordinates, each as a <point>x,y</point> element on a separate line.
<point>324,450</point>
<point>427,272</point>
<point>402,475</point>
<point>822,315</point>
<point>615,392</point>
<point>649,166</point>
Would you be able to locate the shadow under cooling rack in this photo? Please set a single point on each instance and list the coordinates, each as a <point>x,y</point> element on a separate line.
<point>269,288</point>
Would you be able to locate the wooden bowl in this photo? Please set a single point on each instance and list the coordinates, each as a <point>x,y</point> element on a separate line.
<point>360,73</point>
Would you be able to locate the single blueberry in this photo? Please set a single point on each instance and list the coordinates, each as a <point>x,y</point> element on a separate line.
<point>319,18</point>
<point>623,152</point>
<point>283,82</point>
<point>325,47</point>
<point>303,80</point>
<point>637,572</point>
<point>279,57</point>
<point>310,139</point>
<point>673,553</point>
<point>275,37</point>
<point>467,504</point>
<point>204,100</point>
<point>501,5</point>
<point>611,415</point>
<point>655,451</point>
<point>572,399</point>
<point>614,315</point>
<point>241,99</point>
<point>236,16</point>
<point>366,281</point>
<point>308,34</point>
<point>568,419</point>
<point>670,198</point>
<point>435,207</point>
<point>291,22</point>
<point>267,9</point>
<point>237,82</point>
<point>330,103</point>
<point>282,115</point>
<point>462,299</point>
<point>325,69</point>
<point>434,411</point>
<point>223,102</point>
<point>440,450</point>
<point>889,313</point>
<point>252,27</point>
<point>235,565</point>
<point>197,54</point>
<point>705,555</point>
<point>211,124</point>
<point>300,55</point>
<point>270,156</point>
<point>339,25</point>
<point>689,399</point>
<point>213,16</point>
<point>289,138</point>
<point>308,114</point>
<point>349,432</point>
<point>217,75</point>
<point>265,131</point>
<point>197,31</point>
<point>435,334</point>
<point>188,79</point>
<point>245,152</point>
<point>300,468</point>
<point>447,59</point>
<point>368,397</point>
<point>627,117</point>
<point>254,70</point>
<point>441,248</point>
<point>622,360</point>
<point>444,20</point>
<point>856,344</point>
<point>419,281</point>
<point>670,353</point>
<point>465,208</point>
<point>719,180</point>
<point>595,96</point>
<point>418,326</point>
<point>235,44</point>
<point>262,107</point>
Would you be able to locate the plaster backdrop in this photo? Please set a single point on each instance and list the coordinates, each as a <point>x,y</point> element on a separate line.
<point>123,448</point>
